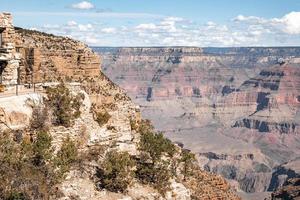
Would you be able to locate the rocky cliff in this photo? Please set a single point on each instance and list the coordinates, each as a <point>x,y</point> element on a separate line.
<point>60,143</point>
<point>224,103</point>
<point>46,57</point>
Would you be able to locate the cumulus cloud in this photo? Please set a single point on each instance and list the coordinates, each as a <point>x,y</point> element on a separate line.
<point>242,18</point>
<point>84,5</point>
<point>108,30</point>
<point>174,31</point>
<point>149,26</point>
<point>291,22</point>
<point>85,27</point>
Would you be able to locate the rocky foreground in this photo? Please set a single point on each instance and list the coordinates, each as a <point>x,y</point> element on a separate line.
<point>237,108</point>
<point>81,137</point>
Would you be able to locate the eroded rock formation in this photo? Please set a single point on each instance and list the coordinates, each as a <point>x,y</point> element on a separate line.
<point>231,102</point>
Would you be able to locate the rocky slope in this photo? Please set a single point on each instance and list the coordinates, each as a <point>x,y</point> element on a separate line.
<point>47,59</point>
<point>237,107</point>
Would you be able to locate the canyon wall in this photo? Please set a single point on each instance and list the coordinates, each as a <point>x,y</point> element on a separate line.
<point>237,107</point>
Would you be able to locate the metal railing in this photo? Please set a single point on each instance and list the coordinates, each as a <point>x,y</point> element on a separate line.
<point>23,89</point>
<point>19,89</point>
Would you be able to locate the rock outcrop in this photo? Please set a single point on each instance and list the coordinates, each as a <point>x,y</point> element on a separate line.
<point>47,57</point>
<point>290,190</point>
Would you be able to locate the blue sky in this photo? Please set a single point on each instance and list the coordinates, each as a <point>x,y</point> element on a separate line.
<point>163,22</point>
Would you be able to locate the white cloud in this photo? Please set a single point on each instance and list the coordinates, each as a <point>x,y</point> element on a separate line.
<point>84,5</point>
<point>175,31</point>
<point>108,30</point>
<point>85,27</point>
<point>168,41</point>
<point>174,19</point>
<point>150,26</point>
<point>91,40</point>
<point>292,22</point>
<point>242,18</point>
<point>210,23</point>
<point>72,23</point>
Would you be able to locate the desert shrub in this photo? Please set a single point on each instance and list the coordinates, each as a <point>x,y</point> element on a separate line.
<point>102,117</point>
<point>155,144</point>
<point>42,148</point>
<point>94,153</point>
<point>66,156</point>
<point>20,177</point>
<point>115,172</point>
<point>155,174</point>
<point>40,117</point>
<point>153,166</point>
<point>187,158</point>
<point>17,196</point>
<point>133,124</point>
<point>64,105</point>
<point>9,152</point>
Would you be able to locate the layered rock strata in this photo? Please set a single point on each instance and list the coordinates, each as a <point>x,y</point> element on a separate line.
<point>45,58</point>
<point>229,101</point>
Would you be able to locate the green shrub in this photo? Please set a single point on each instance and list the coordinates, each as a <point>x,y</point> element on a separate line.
<point>155,144</point>
<point>115,173</point>
<point>66,156</point>
<point>42,148</point>
<point>133,124</point>
<point>17,196</point>
<point>10,154</point>
<point>188,159</point>
<point>29,180</point>
<point>157,174</point>
<point>153,166</point>
<point>102,117</point>
<point>65,106</point>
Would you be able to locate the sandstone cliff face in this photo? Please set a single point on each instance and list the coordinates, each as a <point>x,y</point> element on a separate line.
<point>46,59</point>
<point>229,101</point>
